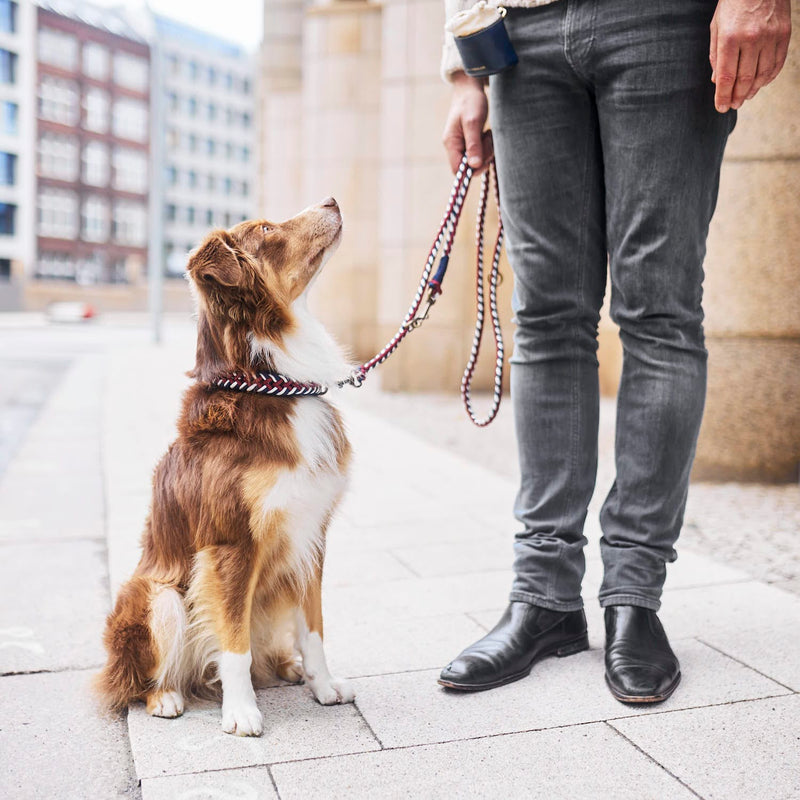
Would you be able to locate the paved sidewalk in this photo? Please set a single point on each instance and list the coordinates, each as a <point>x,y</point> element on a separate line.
<point>418,566</point>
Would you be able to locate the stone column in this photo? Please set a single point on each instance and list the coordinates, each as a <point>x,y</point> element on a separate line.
<point>280,109</point>
<point>340,112</point>
<point>751,429</point>
<point>415,183</point>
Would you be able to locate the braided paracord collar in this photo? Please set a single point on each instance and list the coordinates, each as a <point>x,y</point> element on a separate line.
<point>272,383</point>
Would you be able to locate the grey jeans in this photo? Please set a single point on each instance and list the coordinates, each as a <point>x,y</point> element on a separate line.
<point>608,151</point>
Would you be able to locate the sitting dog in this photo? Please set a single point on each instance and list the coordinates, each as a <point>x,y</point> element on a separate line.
<point>228,586</point>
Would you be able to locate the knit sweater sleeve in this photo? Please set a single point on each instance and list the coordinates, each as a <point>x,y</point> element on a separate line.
<point>451,60</point>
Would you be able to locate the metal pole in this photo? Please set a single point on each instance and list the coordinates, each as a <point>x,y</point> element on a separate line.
<point>155,247</point>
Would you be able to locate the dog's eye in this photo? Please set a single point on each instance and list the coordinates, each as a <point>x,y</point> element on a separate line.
<point>266,229</point>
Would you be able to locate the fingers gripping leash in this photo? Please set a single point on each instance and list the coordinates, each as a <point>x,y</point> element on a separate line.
<point>444,242</point>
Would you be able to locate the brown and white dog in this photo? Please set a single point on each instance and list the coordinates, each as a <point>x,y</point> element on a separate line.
<point>228,585</point>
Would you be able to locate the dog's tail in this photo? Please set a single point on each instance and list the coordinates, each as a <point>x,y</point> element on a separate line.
<point>145,640</point>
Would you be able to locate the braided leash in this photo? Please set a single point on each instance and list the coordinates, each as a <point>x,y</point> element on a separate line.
<point>270,383</point>
<point>466,381</point>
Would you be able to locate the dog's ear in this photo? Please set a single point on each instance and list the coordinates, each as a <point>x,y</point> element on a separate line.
<point>216,261</point>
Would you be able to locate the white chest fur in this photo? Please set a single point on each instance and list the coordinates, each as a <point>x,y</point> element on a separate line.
<point>306,495</point>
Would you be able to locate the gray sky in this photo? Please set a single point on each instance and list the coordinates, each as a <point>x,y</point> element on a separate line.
<point>239,21</point>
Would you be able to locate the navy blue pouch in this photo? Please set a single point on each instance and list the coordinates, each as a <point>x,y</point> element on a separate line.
<point>488,51</point>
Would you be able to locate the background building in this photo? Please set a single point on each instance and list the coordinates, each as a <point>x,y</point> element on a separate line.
<point>93,134</point>
<point>17,68</point>
<point>210,173</point>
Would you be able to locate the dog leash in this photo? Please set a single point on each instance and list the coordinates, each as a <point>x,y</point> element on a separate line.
<point>444,242</point>
<point>270,383</point>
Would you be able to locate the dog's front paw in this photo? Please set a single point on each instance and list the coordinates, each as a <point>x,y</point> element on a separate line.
<point>165,704</point>
<point>333,692</point>
<point>242,719</point>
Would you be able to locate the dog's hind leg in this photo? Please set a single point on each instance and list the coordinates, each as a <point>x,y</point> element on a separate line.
<point>168,623</point>
<point>144,638</point>
<point>327,689</point>
<point>221,597</point>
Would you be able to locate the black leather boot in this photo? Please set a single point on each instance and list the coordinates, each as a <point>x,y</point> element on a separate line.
<point>524,635</point>
<point>640,664</point>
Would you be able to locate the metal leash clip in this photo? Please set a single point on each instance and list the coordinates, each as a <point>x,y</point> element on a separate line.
<point>355,379</point>
<point>413,324</point>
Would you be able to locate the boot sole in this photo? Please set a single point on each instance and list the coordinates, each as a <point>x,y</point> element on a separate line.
<point>634,700</point>
<point>560,650</point>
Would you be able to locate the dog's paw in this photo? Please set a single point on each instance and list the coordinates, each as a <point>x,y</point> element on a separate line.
<point>165,704</point>
<point>333,693</point>
<point>242,719</point>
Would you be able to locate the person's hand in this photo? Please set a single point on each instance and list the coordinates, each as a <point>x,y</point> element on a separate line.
<point>464,128</point>
<point>749,42</point>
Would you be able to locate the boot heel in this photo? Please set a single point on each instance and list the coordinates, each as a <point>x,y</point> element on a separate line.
<point>573,647</point>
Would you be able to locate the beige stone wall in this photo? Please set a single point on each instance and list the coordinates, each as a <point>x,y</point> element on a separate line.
<point>751,428</point>
<point>353,106</point>
<point>340,109</point>
<point>415,183</point>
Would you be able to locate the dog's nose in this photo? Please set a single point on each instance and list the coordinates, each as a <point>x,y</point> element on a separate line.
<point>329,202</point>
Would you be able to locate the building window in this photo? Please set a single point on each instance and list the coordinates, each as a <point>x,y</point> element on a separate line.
<point>130,170</point>
<point>193,70</point>
<point>5,269</point>
<point>8,169</point>
<point>8,219</point>
<point>192,143</point>
<point>96,164</point>
<point>58,213</point>
<point>211,112</point>
<point>58,48</point>
<point>96,61</point>
<point>246,86</point>
<point>129,120</point>
<point>174,64</point>
<point>191,177</point>
<point>172,101</point>
<point>228,80</point>
<point>209,217</point>
<point>211,147</point>
<point>95,107</point>
<point>58,157</point>
<point>130,223</point>
<point>245,154</point>
<point>228,150</point>
<point>212,76</point>
<point>190,215</point>
<point>212,183</point>
<point>8,66</point>
<point>172,212</point>
<point>191,106</point>
<point>131,71</point>
<point>55,265</point>
<point>94,219</point>
<point>59,100</point>
<point>246,120</point>
<point>227,185</point>
<point>9,118</point>
<point>8,16</point>
<point>171,174</point>
<point>245,188</point>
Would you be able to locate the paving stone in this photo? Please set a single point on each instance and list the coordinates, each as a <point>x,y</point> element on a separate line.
<point>295,726</point>
<point>354,568</point>
<point>727,752</point>
<point>361,647</point>
<point>451,531</point>
<point>251,783</point>
<point>530,765</point>
<point>418,597</point>
<point>53,602</point>
<point>752,622</point>
<point>55,744</point>
<point>558,692</point>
